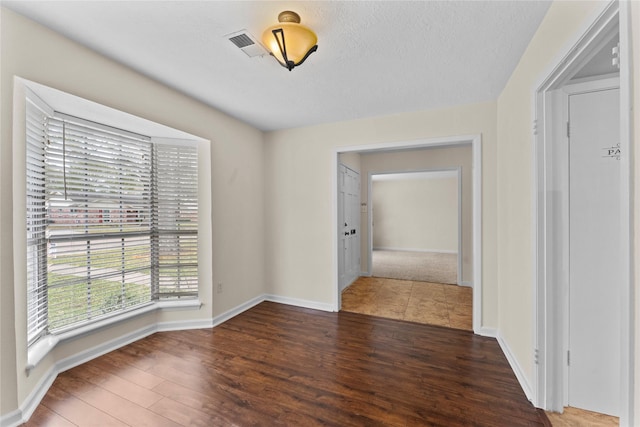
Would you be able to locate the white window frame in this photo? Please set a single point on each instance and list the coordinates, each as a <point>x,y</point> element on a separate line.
<point>99,113</point>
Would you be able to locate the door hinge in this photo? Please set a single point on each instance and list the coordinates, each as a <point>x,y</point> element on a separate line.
<point>535,356</point>
<point>568,130</point>
<point>615,56</point>
<point>535,127</point>
<point>568,358</point>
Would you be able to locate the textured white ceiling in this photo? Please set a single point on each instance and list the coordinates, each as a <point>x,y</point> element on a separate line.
<point>374,58</point>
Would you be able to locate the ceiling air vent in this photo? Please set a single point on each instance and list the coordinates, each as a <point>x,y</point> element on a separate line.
<point>246,43</point>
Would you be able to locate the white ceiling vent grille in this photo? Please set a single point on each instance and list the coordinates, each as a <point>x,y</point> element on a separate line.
<point>246,43</point>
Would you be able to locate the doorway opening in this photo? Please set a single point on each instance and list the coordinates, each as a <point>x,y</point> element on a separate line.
<point>351,157</point>
<point>415,220</point>
<point>415,224</point>
<point>583,304</point>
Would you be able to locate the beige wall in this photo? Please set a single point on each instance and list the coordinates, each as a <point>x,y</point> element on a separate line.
<point>415,214</point>
<point>424,159</point>
<point>560,28</point>
<point>300,257</point>
<point>35,53</point>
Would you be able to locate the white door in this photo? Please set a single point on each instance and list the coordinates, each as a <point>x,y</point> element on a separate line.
<point>595,276</point>
<point>348,225</point>
<point>354,224</point>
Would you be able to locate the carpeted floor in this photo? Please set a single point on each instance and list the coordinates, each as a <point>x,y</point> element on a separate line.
<point>433,267</point>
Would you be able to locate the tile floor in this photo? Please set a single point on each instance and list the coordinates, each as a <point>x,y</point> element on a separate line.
<point>421,302</point>
<point>573,417</point>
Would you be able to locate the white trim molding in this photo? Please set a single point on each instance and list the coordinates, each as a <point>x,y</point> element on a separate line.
<point>44,345</point>
<point>516,368</point>
<point>229,314</point>
<point>488,332</point>
<point>476,147</point>
<point>13,418</point>
<point>26,409</point>
<point>314,305</point>
<point>549,316</point>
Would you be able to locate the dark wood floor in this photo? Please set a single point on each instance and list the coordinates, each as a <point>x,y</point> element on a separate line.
<point>281,365</point>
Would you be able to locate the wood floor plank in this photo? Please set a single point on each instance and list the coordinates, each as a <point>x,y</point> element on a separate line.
<point>117,385</point>
<point>45,417</point>
<point>116,366</point>
<point>278,365</point>
<point>185,415</point>
<point>76,410</point>
<point>116,406</point>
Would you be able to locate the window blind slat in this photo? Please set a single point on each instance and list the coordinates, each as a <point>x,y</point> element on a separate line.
<point>111,218</point>
<point>177,220</point>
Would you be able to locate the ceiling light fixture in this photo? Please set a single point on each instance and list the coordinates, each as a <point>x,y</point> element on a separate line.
<point>290,42</point>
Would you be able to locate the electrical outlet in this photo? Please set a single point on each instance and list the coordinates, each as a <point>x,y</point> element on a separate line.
<point>220,288</point>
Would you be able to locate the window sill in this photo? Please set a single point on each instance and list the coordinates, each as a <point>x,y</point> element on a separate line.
<point>37,351</point>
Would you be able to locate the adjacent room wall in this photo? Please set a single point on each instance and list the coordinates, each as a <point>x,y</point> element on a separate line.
<point>38,54</point>
<point>300,257</point>
<point>429,159</point>
<point>416,214</point>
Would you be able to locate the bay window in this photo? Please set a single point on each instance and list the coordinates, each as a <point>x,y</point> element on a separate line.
<point>112,221</point>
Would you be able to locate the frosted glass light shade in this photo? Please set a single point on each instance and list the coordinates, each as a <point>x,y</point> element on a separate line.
<point>289,41</point>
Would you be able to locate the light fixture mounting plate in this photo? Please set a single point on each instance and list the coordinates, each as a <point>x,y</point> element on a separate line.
<point>289,16</point>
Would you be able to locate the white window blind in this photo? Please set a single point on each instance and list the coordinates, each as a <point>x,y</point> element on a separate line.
<point>177,225</point>
<point>112,222</point>
<point>36,224</point>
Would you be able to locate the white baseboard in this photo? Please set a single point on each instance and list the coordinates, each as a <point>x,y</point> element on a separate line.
<point>465,283</point>
<point>26,409</point>
<point>440,251</point>
<point>221,318</point>
<point>33,400</point>
<point>13,418</point>
<point>299,302</point>
<point>183,325</point>
<point>517,369</point>
<point>487,332</point>
<point>104,348</point>
<point>513,362</point>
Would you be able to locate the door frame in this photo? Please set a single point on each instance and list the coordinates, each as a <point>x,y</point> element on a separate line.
<point>476,149</point>
<point>458,171</point>
<point>548,308</point>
